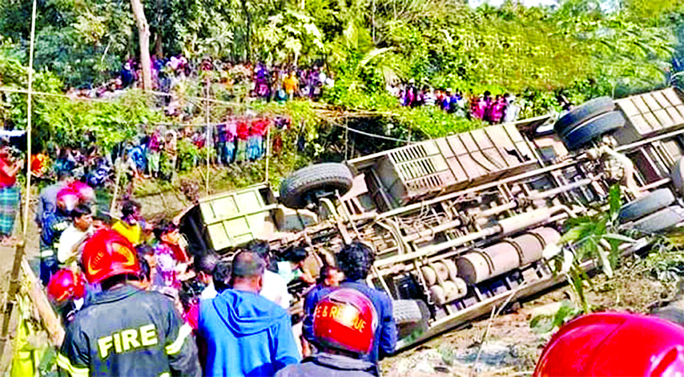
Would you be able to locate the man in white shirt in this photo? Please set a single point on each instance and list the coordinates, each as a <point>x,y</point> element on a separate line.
<point>274,286</point>
<point>205,265</point>
<point>512,109</point>
<point>73,237</point>
<point>274,289</point>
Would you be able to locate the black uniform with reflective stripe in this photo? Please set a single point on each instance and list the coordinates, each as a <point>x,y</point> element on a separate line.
<point>128,332</point>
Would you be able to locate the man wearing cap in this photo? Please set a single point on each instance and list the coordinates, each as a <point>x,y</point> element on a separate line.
<point>243,333</point>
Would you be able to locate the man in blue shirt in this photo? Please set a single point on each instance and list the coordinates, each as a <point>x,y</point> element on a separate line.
<point>356,260</point>
<point>246,334</point>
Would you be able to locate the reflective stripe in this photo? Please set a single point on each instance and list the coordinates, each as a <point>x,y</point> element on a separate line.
<point>165,374</point>
<point>47,253</point>
<point>176,346</point>
<point>64,363</point>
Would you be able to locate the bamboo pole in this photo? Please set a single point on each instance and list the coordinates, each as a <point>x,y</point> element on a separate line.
<point>29,122</point>
<point>119,170</point>
<point>50,320</point>
<point>19,249</point>
<point>268,150</point>
<point>207,142</point>
<point>346,139</point>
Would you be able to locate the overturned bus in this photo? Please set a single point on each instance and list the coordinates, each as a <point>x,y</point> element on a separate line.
<point>470,221</point>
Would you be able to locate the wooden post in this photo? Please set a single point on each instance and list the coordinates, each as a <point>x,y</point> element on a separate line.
<point>19,249</point>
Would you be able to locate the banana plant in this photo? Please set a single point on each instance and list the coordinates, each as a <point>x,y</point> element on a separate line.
<point>594,237</point>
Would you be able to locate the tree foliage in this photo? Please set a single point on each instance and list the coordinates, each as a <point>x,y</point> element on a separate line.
<point>579,49</point>
<point>513,48</point>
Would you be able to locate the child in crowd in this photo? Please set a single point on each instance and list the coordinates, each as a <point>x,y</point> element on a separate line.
<point>291,85</point>
<point>171,148</point>
<point>256,138</point>
<point>156,144</point>
<point>131,225</point>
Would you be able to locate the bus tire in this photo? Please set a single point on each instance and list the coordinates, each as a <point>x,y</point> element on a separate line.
<point>646,205</point>
<point>297,189</point>
<point>409,311</point>
<point>593,129</point>
<point>583,113</point>
<point>660,221</point>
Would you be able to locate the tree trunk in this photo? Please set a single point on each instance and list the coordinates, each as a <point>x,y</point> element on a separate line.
<point>248,17</point>
<point>158,47</point>
<point>144,37</point>
<point>158,44</point>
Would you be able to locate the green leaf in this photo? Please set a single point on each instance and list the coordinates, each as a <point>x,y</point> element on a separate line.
<point>578,232</point>
<point>604,258</point>
<point>619,238</point>
<point>615,201</point>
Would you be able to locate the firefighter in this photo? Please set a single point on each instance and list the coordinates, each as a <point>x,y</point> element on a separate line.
<point>124,331</point>
<point>355,261</point>
<point>54,223</point>
<point>344,325</point>
<point>614,344</point>
<point>67,290</point>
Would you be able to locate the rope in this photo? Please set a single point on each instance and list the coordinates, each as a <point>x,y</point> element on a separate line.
<point>347,128</point>
<point>63,95</point>
<point>374,135</point>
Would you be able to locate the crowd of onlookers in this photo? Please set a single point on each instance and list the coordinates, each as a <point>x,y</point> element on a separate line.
<point>491,109</point>
<point>135,300</point>
<point>259,81</point>
<point>162,150</point>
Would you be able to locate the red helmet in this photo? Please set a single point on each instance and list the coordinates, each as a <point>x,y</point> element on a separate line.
<point>67,199</point>
<point>65,285</point>
<point>614,344</point>
<point>84,192</point>
<point>107,253</point>
<point>345,319</point>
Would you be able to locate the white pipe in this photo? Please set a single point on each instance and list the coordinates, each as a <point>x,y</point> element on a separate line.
<point>505,226</point>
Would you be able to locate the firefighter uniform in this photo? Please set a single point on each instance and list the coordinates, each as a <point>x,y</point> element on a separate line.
<point>128,332</point>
